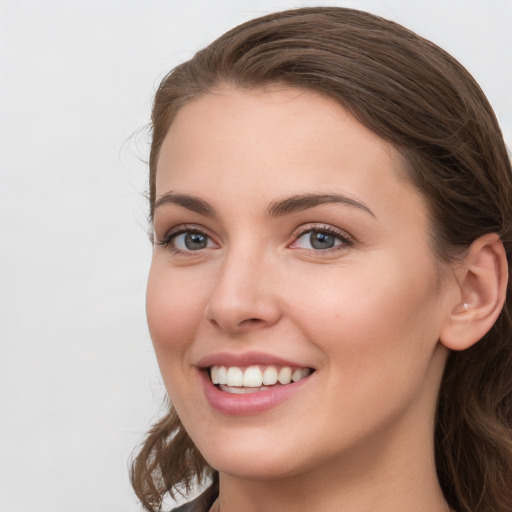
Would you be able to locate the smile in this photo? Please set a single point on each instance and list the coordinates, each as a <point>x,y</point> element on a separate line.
<point>251,383</point>
<point>251,379</point>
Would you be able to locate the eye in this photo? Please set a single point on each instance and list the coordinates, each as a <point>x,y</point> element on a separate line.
<point>191,241</point>
<point>185,239</point>
<point>321,239</point>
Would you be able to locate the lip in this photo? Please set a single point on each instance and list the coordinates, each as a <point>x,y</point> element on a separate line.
<point>246,359</point>
<point>250,403</point>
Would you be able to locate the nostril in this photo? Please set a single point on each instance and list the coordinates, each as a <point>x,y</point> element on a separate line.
<point>251,322</point>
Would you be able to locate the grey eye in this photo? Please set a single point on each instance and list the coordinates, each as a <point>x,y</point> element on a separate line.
<point>319,240</point>
<point>195,241</point>
<point>191,241</point>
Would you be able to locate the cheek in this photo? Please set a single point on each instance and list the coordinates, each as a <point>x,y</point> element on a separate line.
<point>377,344</point>
<point>373,319</point>
<point>175,307</point>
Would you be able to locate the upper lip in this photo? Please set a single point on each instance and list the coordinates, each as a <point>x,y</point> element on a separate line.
<point>246,359</point>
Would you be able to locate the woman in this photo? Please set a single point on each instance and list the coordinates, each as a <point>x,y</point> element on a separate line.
<point>331,202</point>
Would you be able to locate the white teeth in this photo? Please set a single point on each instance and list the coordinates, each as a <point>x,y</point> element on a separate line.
<point>300,373</point>
<point>285,375</point>
<point>223,374</point>
<point>297,375</point>
<point>255,377</point>
<point>270,376</point>
<point>235,377</point>
<point>214,374</point>
<point>241,390</point>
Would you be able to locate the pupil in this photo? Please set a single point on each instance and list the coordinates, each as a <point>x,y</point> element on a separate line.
<point>195,241</point>
<point>321,240</point>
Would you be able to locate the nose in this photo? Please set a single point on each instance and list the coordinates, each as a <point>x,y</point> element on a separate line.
<point>245,295</point>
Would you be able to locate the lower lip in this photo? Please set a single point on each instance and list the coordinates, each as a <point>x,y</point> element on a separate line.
<point>249,403</point>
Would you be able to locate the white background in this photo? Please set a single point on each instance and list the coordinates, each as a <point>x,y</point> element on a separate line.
<point>78,380</point>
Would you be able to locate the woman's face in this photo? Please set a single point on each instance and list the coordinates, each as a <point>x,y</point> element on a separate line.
<point>286,238</point>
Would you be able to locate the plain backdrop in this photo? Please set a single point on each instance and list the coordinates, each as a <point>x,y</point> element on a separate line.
<point>79,384</point>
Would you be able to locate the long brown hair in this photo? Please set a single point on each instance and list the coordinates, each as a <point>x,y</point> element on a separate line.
<point>422,101</point>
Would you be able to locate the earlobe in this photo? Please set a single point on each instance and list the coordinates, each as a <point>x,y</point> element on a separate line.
<point>482,281</point>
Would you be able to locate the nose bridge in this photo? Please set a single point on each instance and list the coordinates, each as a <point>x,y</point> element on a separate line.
<point>244,294</point>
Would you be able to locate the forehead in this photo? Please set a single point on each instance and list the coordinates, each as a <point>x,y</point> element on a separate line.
<point>274,142</point>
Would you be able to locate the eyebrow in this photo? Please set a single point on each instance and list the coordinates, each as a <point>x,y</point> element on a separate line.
<point>286,206</point>
<point>186,201</point>
<point>305,201</point>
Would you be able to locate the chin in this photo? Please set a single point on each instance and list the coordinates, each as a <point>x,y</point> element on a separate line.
<point>248,455</point>
<point>258,467</point>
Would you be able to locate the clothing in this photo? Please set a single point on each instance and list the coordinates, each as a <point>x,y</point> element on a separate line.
<point>201,504</point>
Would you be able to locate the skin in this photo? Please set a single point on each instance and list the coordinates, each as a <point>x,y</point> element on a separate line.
<point>366,315</point>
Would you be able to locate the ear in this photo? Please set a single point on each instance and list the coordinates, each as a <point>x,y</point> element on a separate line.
<point>482,280</point>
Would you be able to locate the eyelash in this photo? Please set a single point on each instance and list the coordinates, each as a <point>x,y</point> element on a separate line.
<point>171,235</point>
<point>346,241</point>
